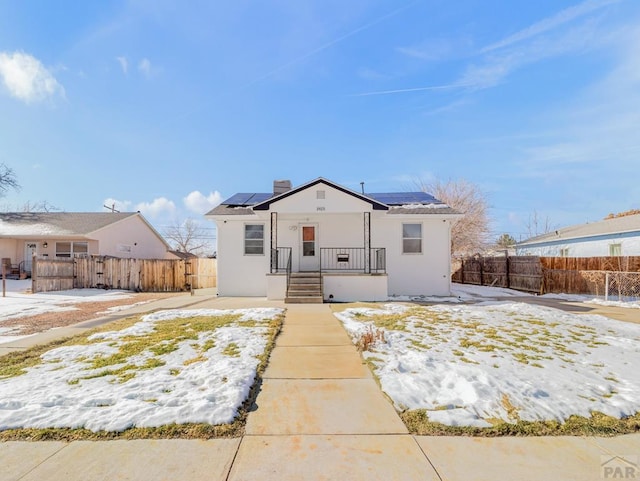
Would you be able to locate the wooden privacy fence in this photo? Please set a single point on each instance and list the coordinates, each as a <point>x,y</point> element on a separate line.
<point>583,275</point>
<point>523,273</point>
<point>569,275</point>
<point>143,275</point>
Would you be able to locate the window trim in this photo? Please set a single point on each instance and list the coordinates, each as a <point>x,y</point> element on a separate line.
<point>72,252</point>
<point>421,238</point>
<point>615,246</point>
<point>244,237</point>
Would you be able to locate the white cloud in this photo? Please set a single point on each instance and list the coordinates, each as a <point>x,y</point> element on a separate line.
<point>201,204</point>
<point>119,205</point>
<point>124,64</point>
<point>145,67</point>
<point>549,23</point>
<point>27,79</point>
<point>157,207</point>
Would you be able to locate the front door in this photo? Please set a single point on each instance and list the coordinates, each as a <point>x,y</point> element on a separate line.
<point>30,249</point>
<point>309,252</point>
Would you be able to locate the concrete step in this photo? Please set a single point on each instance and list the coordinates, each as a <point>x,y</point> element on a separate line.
<point>303,300</point>
<point>304,280</point>
<point>304,287</point>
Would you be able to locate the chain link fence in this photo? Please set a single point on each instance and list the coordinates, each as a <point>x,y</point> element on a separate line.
<point>614,285</point>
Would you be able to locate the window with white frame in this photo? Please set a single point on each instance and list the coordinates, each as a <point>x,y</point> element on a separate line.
<point>564,252</point>
<point>615,249</point>
<point>412,238</point>
<point>72,249</point>
<point>254,239</point>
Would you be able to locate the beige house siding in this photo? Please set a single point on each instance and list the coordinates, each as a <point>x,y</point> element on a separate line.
<point>130,238</point>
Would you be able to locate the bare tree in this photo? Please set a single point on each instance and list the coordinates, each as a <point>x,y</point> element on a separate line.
<point>188,236</point>
<point>40,206</point>
<point>471,233</point>
<point>7,180</point>
<point>536,225</point>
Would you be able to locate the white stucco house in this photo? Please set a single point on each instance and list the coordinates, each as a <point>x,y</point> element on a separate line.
<point>617,236</point>
<point>69,234</point>
<point>322,241</point>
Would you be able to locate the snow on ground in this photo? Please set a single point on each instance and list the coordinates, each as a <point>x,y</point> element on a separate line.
<point>470,364</point>
<point>465,293</point>
<point>204,380</point>
<point>587,299</point>
<point>471,293</point>
<point>19,302</point>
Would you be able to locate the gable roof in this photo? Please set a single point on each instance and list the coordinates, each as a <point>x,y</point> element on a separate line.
<point>616,225</point>
<point>61,224</point>
<point>393,202</point>
<point>264,205</point>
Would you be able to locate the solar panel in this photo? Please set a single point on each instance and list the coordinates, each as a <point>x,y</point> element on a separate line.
<point>403,198</point>
<point>246,198</point>
<point>260,197</point>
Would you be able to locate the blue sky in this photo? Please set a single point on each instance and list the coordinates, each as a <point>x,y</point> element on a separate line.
<point>167,107</point>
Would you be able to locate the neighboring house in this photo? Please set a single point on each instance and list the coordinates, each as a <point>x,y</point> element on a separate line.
<point>173,254</point>
<point>69,234</point>
<point>323,241</point>
<point>618,236</point>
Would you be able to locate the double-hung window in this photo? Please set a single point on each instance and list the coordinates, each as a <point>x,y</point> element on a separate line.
<point>254,239</point>
<point>412,238</point>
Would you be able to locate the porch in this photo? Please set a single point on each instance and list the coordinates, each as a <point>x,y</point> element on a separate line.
<point>341,274</point>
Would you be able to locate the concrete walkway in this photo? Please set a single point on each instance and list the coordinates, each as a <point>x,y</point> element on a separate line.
<point>320,415</point>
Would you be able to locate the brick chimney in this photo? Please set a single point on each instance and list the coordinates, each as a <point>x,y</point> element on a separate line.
<point>281,186</point>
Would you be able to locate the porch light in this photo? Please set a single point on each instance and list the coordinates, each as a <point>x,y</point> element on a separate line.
<point>45,245</point>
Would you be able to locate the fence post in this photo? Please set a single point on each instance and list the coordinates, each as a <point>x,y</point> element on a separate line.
<point>506,267</point>
<point>606,286</point>
<point>34,274</point>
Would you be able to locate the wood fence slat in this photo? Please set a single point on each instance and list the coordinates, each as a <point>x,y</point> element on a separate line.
<point>147,275</point>
<point>569,275</point>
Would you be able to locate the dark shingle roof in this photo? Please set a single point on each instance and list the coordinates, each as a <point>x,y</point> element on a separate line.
<point>393,202</point>
<point>224,209</point>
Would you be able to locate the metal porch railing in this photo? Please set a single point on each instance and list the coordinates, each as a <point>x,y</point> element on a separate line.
<point>353,259</point>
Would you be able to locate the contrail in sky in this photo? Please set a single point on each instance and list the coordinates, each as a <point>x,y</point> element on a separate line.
<point>315,51</point>
<point>415,89</point>
<point>331,43</point>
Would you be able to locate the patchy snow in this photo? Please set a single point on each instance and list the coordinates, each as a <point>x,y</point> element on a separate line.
<point>465,293</point>
<point>485,294</point>
<point>588,299</point>
<point>19,302</point>
<point>472,292</point>
<point>192,386</point>
<point>7,334</point>
<point>469,364</point>
<point>123,307</point>
<point>32,229</point>
<point>626,304</point>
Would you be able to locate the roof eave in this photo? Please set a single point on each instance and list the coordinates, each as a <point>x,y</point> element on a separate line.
<point>267,203</point>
